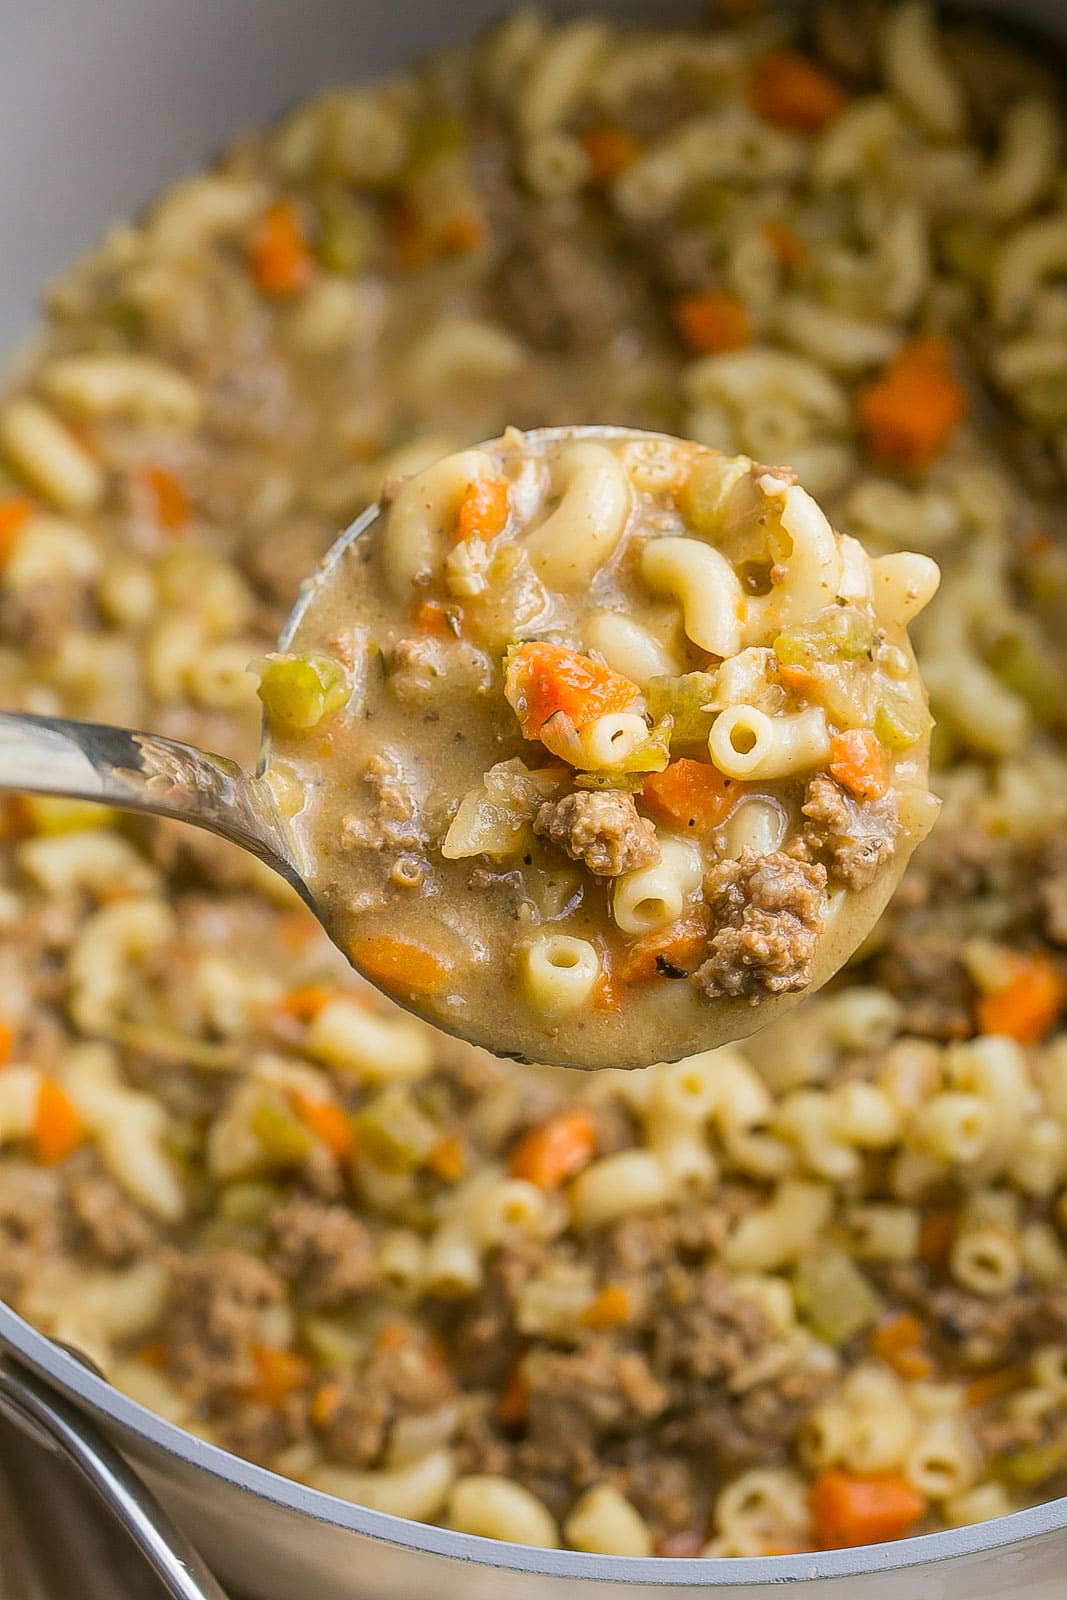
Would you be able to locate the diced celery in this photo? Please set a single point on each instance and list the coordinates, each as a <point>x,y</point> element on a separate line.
<point>968,248</point>
<point>1045,400</point>
<point>840,633</point>
<point>683,699</point>
<point>247,1201</point>
<point>707,489</point>
<point>438,133</point>
<point>330,1343</point>
<point>1028,1468</point>
<point>50,814</point>
<point>298,691</point>
<point>394,1133</point>
<point>709,207</point>
<point>285,1139</point>
<point>654,754</point>
<point>900,721</point>
<point>834,1298</point>
<point>348,232</point>
<point>1031,672</point>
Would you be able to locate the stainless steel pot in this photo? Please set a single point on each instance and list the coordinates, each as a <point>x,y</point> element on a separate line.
<point>103,104</point>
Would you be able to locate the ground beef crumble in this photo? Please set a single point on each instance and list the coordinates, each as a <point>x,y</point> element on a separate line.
<point>397,824</point>
<point>325,1250</point>
<point>217,1301</point>
<point>766,918</point>
<point>109,1224</point>
<point>856,837</point>
<point>30,1224</point>
<point>601,828</point>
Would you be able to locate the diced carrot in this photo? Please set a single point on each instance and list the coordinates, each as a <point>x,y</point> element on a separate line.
<point>857,761</point>
<point>328,1121</point>
<point>513,1403</point>
<point>407,237</point>
<point>13,513</point>
<point>441,618</point>
<point>172,507</point>
<point>799,679</point>
<point>683,1545</point>
<point>693,795</point>
<point>153,1354</point>
<point>7,1042</point>
<point>542,679</point>
<point>296,929</point>
<point>787,244</point>
<point>607,993</point>
<point>850,1510</point>
<point>910,412</point>
<point>792,92</point>
<point>610,1309</point>
<point>1039,544</point>
<point>610,150</point>
<point>400,966</point>
<point>393,1336</point>
<point>325,1403</point>
<point>937,1234</point>
<point>900,1344</point>
<point>279,1373</point>
<point>483,511</point>
<point>993,1385</point>
<point>670,951</point>
<point>448,1160</point>
<point>711,322</point>
<point>1029,1006</point>
<point>58,1130</point>
<point>305,1003</point>
<point>557,1150</point>
<point>462,235</point>
<point>279,258</point>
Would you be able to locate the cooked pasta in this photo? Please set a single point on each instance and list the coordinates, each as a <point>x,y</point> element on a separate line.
<point>695,1308</point>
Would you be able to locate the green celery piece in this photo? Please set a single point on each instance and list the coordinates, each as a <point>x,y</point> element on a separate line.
<point>840,633</point>
<point>347,232</point>
<point>1032,1466</point>
<point>683,699</point>
<point>298,691</point>
<point>707,489</point>
<point>247,1201</point>
<point>900,721</point>
<point>1032,673</point>
<point>394,1133</point>
<point>285,1139</point>
<point>834,1298</point>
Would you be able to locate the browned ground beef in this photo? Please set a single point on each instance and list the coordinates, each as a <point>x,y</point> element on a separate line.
<point>30,1223</point>
<point>766,918</point>
<point>109,1224</point>
<point>855,837</point>
<point>397,825</point>
<point>1052,887</point>
<point>217,1299</point>
<point>323,1249</point>
<point>922,968</point>
<point>405,1376</point>
<point>601,828</point>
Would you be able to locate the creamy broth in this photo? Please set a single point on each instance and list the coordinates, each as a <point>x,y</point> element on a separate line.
<point>600,744</point>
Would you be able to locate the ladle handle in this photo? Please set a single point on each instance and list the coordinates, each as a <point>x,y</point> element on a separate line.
<point>52,1421</point>
<point>144,772</point>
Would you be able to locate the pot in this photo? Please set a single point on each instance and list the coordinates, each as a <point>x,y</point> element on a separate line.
<point>98,115</point>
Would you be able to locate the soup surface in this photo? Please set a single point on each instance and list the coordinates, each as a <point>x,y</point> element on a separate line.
<point>811,1293</point>
<point>600,743</point>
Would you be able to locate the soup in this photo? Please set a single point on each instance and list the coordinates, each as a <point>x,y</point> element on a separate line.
<point>602,859</point>
<point>694,1308</point>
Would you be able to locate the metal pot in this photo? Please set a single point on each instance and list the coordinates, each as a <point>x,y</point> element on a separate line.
<point>102,107</point>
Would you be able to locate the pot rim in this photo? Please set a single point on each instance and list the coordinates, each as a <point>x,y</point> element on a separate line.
<point>108,1405</point>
